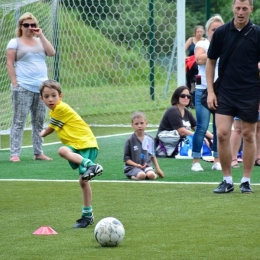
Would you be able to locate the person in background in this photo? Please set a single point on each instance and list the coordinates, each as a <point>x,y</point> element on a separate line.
<point>139,152</point>
<point>80,145</point>
<point>235,141</point>
<point>191,65</point>
<point>238,91</point>
<point>202,113</point>
<point>257,157</point>
<point>178,117</point>
<point>198,33</point>
<point>26,67</point>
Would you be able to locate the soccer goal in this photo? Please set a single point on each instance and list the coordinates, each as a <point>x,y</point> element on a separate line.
<point>113,57</point>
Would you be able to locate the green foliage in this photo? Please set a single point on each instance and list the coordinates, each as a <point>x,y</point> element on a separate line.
<point>224,8</point>
<point>101,71</point>
<point>126,23</point>
<point>193,19</point>
<point>93,11</point>
<point>256,16</point>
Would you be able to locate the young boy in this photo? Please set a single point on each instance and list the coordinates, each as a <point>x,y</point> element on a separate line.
<point>80,145</point>
<point>139,152</point>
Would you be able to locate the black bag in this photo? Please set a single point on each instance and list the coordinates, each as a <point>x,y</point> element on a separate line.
<point>204,95</point>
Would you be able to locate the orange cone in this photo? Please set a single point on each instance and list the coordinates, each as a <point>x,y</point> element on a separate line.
<point>45,230</point>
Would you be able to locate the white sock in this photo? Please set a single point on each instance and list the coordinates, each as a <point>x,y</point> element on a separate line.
<point>245,179</point>
<point>228,179</point>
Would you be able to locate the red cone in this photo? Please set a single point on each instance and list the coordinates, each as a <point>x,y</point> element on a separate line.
<point>45,230</point>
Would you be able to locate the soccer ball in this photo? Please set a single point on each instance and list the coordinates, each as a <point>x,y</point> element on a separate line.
<point>109,232</point>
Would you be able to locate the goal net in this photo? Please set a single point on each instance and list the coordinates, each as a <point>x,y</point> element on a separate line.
<point>113,57</point>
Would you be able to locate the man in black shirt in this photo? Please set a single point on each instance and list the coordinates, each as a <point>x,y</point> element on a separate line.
<point>239,90</point>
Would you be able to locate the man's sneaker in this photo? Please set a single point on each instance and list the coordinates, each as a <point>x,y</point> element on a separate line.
<point>224,187</point>
<point>196,167</point>
<point>216,166</point>
<point>245,187</point>
<point>84,222</point>
<point>92,171</point>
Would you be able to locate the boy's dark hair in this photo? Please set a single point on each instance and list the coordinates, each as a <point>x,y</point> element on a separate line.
<point>52,84</point>
<point>176,95</point>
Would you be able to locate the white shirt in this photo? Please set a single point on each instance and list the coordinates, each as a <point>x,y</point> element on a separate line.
<point>202,68</point>
<point>30,66</point>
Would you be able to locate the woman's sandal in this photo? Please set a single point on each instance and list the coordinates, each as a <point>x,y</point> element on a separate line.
<point>236,165</point>
<point>42,157</point>
<point>257,162</point>
<point>15,158</point>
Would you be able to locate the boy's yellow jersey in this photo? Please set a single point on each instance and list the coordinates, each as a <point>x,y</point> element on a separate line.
<point>72,130</point>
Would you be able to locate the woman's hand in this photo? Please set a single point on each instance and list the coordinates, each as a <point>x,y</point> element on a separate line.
<point>37,31</point>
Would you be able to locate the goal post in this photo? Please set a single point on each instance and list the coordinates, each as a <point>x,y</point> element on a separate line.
<point>103,59</point>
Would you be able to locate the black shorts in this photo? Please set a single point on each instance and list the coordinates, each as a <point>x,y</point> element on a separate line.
<point>246,110</point>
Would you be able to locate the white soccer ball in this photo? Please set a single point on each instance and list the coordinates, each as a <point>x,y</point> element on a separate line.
<point>109,232</point>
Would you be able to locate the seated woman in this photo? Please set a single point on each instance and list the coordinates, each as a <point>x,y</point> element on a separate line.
<point>178,117</point>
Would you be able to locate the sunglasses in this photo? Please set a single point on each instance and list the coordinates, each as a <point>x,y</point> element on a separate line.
<point>26,25</point>
<point>185,96</point>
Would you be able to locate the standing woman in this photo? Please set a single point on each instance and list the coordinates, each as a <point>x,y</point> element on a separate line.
<point>26,67</point>
<point>191,41</point>
<point>191,65</point>
<point>202,113</point>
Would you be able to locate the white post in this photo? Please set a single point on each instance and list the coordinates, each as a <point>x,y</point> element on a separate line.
<point>181,75</point>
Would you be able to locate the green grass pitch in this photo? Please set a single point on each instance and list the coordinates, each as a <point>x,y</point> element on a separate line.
<point>177,217</point>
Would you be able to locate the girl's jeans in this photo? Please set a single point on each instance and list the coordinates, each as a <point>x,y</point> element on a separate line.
<point>203,117</point>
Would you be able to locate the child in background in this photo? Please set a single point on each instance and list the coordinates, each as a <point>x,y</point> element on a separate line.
<point>139,152</point>
<point>80,145</point>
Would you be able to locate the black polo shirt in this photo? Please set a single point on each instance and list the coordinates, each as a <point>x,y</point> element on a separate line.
<point>240,78</point>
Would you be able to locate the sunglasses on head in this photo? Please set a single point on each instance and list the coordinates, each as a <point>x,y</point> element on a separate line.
<point>26,25</point>
<point>185,96</point>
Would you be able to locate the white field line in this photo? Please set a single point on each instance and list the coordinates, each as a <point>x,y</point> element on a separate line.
<point>114,181</point>
<point>98,137</point>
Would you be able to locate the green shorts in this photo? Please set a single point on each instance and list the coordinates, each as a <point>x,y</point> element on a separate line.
<point>88,153</point>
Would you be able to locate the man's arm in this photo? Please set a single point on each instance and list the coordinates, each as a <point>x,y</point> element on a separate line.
<point>210,73</point>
